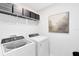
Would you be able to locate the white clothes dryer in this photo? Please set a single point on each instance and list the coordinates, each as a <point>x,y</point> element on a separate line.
<point>42,45</point>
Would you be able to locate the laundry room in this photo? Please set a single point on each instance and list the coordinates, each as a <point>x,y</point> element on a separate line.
<point>39,29</point>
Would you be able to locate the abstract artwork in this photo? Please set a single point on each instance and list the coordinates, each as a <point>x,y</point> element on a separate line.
<point>59,23</point>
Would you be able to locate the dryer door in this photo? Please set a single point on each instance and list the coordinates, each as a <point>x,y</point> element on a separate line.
<point>43,48</point>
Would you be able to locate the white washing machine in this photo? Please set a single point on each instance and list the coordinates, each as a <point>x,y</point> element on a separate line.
<point>42,45</point>
<point>17,46</point>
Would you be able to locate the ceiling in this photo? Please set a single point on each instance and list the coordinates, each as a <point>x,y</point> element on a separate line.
<point>37,6</point>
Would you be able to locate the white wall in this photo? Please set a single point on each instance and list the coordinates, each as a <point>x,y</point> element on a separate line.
<point>10,25</point>
<point>62,44</point>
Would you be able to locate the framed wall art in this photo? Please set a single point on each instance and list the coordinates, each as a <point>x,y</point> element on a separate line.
<point>59,23</point>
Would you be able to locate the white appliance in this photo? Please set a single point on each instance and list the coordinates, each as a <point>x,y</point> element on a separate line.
<point>17,46</point>
<point>42,45</point>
